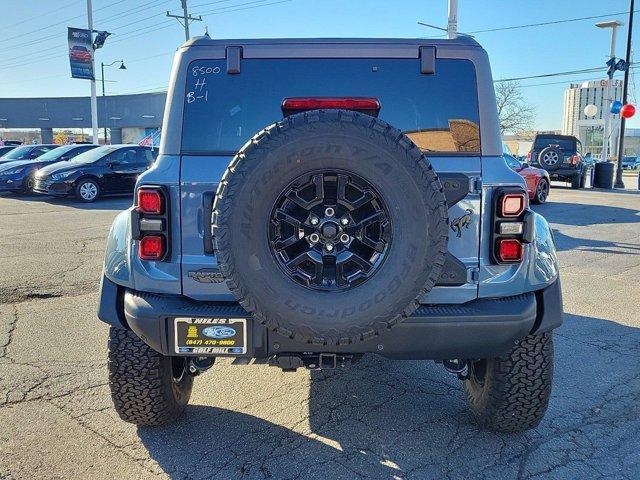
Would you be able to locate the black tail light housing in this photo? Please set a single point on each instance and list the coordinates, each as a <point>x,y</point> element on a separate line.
<point>512,225</point>
<point>150,219</point>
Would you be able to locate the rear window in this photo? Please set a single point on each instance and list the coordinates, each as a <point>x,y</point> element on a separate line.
<point>438,112</point>
<point>566,144</point>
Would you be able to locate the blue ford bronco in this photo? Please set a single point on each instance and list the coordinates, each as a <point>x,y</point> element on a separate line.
<point>318,199</point>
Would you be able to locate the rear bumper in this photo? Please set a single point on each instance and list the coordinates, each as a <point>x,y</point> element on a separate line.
<point>564,173</point>
<point>481,328</point>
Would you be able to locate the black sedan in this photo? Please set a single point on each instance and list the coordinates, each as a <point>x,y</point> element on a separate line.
<point>18,176</point>
<point>27,152</point>
<point>111,169</point>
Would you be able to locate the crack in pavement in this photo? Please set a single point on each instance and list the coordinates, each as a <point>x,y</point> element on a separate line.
<point>4,348</point>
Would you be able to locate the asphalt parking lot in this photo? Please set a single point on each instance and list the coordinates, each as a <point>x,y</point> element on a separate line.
<point>378,419</point>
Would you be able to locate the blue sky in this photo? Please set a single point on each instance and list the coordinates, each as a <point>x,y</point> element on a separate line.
<point>33,44</point>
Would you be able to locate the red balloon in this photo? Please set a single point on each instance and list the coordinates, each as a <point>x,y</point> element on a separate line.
<point>628,111</point>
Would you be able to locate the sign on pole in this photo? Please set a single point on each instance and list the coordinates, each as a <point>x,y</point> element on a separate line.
<point>81,53</point>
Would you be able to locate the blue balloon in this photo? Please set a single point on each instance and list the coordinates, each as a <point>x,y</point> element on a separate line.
<point>616,106</point>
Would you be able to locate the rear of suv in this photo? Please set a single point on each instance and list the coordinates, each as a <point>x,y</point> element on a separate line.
<point>318,200</point>
<point>561,156</point>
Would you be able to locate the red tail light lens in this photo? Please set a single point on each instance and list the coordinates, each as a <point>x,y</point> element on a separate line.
<point>150,201</point>
<point>575,159</point>
<point>361,104</point>
<point>152,247</point>
<point>512,204</point>
<point>509,250</point>
<point>528,156</point>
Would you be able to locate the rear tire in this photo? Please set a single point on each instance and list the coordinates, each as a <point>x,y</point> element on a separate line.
<point>147,388</point>
<point>511,394</point>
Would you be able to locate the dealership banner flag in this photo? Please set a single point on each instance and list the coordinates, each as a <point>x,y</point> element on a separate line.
<point>81,53</point>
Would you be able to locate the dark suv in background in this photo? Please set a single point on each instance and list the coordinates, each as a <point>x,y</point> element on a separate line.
<point>111,169</point>
<point>561,156</point>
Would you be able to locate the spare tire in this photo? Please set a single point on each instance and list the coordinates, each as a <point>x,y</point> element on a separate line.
<point>329,226</point>
<point>550,158</point>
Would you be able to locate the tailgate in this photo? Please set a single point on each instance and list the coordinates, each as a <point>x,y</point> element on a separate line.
<point>200,277</point>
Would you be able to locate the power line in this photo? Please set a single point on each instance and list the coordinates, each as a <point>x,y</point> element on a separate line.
<point>554,74</point>
<point>22,35</point>
<point>562,82</point>
<point>45,14</point>
<point>541,24</point>
<point>138,9</point>
<point>165,24</point>
<point>198,5</point>
<point>121,14</point>
<point>220,11</point>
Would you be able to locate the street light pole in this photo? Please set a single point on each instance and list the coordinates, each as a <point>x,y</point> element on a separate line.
<point>94,99</point>
<point>102,65</point>
<point>103,103</point>
<point>613,25</point>
<point>625,90</point>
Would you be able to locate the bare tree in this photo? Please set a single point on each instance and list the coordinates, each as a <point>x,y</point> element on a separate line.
<point>515,114</point>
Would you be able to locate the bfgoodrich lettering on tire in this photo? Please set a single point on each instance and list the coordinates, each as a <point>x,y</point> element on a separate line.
<point>329,226</point>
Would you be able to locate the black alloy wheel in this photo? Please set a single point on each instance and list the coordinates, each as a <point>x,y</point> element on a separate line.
<point>330,230</point>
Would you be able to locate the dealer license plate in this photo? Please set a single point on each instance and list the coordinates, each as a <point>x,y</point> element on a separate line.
<point>211,336</point>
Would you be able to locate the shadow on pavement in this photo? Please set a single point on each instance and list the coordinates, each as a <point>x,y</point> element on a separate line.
<point>583,214</point>
<point>566,242</point>
<point>115,202</point>
<point>396,420</point>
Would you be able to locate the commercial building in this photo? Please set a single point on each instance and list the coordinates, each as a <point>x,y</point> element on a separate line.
<point>127,118</point>
<point>590,129</point>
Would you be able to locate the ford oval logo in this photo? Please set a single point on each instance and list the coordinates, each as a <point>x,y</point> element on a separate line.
<point>219,332</point>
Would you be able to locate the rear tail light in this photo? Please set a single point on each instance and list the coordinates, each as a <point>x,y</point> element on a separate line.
<point>575,159</point>
<point>370,106</point>
<point>512,225</point>
<point>150,201</point>
<point>512,204</point>
<point>528,156</point>
<point>150,223</point>
<point>152,247</point>
<point>509,250</point>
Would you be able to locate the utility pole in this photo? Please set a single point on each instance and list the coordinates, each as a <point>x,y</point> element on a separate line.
<point>613,25</point>
<point>625,90</point>
<point>186,18</point>
<point>452,24</point>
<point>94,99</point>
